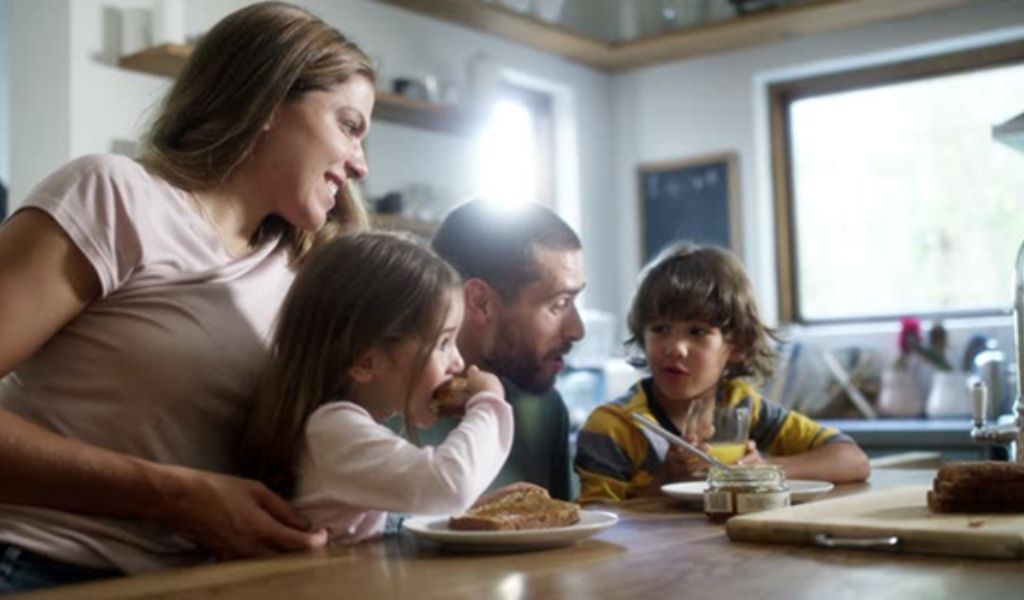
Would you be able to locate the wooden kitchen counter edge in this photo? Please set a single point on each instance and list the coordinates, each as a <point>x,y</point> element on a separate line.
<point>690,525</point>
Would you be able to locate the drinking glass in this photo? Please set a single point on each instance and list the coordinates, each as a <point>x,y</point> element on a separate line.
<point>724,429</point>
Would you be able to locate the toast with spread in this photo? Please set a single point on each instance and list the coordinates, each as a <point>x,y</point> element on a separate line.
<point>529,508</point>
<point>449,399</point>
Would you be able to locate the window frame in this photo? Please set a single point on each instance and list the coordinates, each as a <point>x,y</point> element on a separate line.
<point>782,94</point>
<point>541,106</point>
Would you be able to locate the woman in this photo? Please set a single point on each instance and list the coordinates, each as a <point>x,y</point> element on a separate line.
<point>136,301</point>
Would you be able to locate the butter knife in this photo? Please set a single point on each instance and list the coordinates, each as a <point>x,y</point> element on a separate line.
<point>675,439</point>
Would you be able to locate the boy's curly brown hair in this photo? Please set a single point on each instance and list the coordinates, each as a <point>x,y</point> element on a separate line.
<point>689,282</point>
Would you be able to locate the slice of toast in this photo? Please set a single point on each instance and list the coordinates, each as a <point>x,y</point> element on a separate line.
<point>945,504</point>
<point>981,472</point>
<point>522,509</point>
<point>978,487</point>
<point>449,399</point>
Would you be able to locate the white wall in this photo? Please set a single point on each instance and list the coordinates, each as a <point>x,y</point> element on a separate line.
<point>5,99</point>
<point>40,91</point>
<point>69,98</point>
<point>718,103</point>
<point>85,103</point>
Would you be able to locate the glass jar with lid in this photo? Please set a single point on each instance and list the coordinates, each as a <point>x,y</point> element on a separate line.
<point>744,489</point>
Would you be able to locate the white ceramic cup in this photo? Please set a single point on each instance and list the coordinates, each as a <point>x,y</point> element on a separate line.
<point>949,396</point>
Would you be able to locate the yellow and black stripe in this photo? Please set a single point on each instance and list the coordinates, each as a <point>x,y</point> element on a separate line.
<point>614,457</point>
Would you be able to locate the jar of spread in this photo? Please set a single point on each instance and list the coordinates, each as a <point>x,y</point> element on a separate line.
<point>744,489</point>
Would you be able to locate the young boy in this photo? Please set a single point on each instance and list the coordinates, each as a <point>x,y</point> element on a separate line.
<point>696,321</point>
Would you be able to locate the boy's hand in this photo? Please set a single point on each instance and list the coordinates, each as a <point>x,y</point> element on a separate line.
<point>680,465</point>
<point>752,457</point>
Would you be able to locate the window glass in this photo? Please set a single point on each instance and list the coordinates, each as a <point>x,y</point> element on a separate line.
<point>902,201</point>
<point>514,148</point>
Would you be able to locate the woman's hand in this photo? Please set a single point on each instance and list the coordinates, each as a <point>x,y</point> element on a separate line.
<point>233,517</point>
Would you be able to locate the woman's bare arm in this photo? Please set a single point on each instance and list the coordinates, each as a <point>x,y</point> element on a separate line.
<point>45,282</point>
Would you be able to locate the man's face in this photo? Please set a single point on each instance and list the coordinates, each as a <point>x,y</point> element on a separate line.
<point>537,328</point>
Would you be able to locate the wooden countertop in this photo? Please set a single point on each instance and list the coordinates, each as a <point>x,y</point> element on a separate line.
<point>659,549</point>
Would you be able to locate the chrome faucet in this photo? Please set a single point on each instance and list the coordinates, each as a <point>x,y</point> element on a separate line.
<point>1011,432</point>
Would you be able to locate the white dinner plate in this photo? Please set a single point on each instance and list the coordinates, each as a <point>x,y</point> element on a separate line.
<point>436,529</point>
<point>800,490</point>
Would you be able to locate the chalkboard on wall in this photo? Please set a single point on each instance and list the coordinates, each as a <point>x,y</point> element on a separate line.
<point>692,200</point>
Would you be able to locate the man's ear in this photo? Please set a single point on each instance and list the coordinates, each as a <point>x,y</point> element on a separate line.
<point>362,370</point>
<point>480,299</point>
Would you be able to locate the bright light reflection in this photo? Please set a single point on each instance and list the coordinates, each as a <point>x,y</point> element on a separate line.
<point>507,151</point>
<point>510,587</point>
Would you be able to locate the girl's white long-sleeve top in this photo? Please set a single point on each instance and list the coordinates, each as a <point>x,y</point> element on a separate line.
<point>353,470</point>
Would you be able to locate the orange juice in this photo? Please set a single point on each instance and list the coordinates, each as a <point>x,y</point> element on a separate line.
<point>728,452</point>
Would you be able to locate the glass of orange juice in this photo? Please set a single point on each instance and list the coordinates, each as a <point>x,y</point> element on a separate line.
<point>724,429</point>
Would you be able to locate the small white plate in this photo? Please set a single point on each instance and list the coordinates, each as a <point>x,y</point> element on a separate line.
<point>436,529</point>
<point>800,490</point>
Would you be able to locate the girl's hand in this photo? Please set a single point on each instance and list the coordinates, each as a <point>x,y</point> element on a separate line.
<point>481,381</point>
<point>752,457</point>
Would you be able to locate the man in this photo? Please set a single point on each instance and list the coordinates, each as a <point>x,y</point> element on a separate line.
<point>522,269</point>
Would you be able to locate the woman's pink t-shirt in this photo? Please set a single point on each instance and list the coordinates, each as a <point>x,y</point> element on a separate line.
<point>161,366</point>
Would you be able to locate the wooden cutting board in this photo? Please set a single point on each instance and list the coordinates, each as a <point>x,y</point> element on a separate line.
<point>900,512</point>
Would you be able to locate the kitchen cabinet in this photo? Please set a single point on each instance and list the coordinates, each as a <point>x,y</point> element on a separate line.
<point>168,59</point>
<point>805,18</point>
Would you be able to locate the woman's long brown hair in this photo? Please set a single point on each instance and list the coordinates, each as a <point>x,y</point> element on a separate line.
<point>249,63</point>
<point>352,294</point>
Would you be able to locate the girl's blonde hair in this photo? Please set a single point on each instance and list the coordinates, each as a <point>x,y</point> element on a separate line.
<point>353,294</point>
<point>687,282</point>
<point>246,66</point>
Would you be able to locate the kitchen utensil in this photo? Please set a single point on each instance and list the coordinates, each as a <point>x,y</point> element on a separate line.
<point>858,399</point>
<point>990,366</point>
<point>675,439</point>
<point>900,396</point>
<point>948,396</point>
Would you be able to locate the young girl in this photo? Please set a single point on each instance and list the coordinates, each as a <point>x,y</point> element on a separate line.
<point>695,319</point>
<point>367,332</point>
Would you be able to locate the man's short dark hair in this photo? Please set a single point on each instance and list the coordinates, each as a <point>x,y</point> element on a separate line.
<point>497,244</point>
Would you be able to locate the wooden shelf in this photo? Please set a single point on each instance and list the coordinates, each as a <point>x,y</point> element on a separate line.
<point>404,223</point>
<point>818,16</point>
<point>168,59</point>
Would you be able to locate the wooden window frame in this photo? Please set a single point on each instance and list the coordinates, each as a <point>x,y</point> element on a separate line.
<point>782,94</point>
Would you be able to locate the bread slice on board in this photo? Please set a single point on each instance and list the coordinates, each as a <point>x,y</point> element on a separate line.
<point>523,509</point>
<point>978,487</point>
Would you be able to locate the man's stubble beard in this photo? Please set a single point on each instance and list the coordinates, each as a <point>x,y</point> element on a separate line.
<point>511,358</point>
